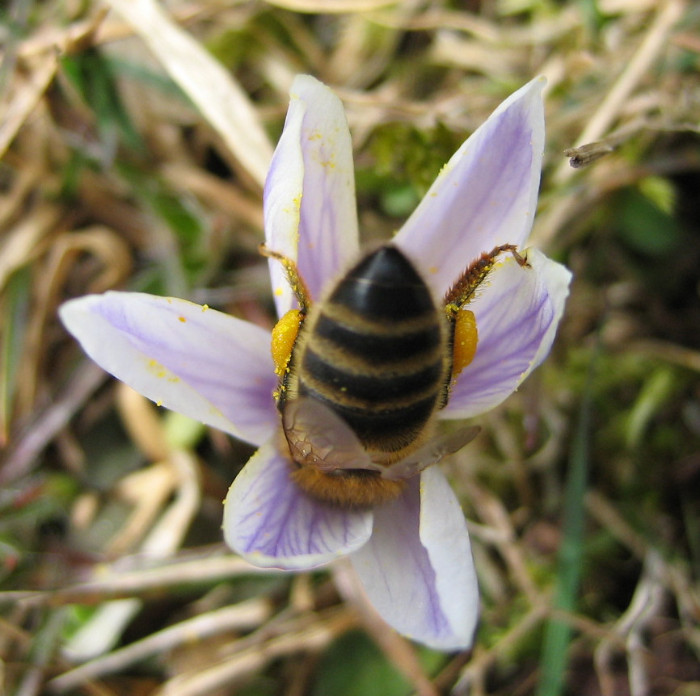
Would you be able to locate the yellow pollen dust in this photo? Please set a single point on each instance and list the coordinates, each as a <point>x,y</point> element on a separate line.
<point>182,319</point>
<point>156,368</point>
<point>283,336</point>
<point>161,371</point>
<point>466,338</point>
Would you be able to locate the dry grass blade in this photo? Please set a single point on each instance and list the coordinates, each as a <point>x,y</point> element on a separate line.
<point>477,669</point>
<point>303,638</point>
<point>22,455</point>
<point>646,605</point>
<point>339,6</point>
<point>654,42</point>
<point>214,92</point>
<point>240,617</point>
<point>39,59</point>
<point>111,582</point>
<point>24,242</point>
<point>20,101</point>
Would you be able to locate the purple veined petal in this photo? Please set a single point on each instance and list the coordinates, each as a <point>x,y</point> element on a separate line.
<point>205,364</point>
<point>517,317</point>
<point>417,568</point>
<point>310,208</point>
<point>485,196</point>
<point>272,523</point>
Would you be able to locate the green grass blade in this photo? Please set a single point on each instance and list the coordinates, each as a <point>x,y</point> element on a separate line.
<point>14,324</point>
<point>558,634</point>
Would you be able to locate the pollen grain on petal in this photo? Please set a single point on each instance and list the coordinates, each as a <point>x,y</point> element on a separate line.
<point>215,411</point>
<point>160,371</point>
<point>156,368</point>
<point>182,319</point>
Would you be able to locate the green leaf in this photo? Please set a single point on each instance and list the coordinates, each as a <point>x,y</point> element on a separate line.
<point>658,388</point>
<point>647,228</point>
<point>354,666</point>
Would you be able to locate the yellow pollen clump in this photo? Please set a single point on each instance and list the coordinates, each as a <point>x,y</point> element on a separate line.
<point>161,371</point>
<point>156,368</point>
<point>182,319</point>
<point>466,338</point>
<point>283,336</point>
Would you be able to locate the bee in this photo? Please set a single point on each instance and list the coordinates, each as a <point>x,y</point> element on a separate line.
<point>364,371</point>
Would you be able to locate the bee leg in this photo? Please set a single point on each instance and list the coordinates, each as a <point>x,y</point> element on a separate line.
<point>296,282</point>
<point>463,330</point>
<point>286,331</point>
<point>474,275</point>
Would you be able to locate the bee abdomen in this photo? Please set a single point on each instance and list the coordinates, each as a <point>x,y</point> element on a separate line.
<point>367,390</point>
<point>384,286</point>
<point>379,343</point>
<point>375,352</point>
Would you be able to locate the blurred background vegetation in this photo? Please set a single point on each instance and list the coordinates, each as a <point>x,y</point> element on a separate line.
<point>128,160</point>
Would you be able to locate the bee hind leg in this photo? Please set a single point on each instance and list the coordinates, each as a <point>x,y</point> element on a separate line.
<point>463,291</point>
<point>296,282</point>
<point>463,330</point>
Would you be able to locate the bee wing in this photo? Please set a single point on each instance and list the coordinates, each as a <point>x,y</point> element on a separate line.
<point>431,453</point>
<point>318,437</point>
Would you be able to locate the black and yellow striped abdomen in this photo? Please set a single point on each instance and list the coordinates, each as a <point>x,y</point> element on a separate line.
<point>374,351</point>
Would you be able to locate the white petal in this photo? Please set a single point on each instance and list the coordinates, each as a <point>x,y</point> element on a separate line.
<point>443,532</point>
<point>191,359</point>
<point>272,523</point>
<point>486,194</point>
<point>517,316</point>
<point>417,568</point>
<point>310,209</point>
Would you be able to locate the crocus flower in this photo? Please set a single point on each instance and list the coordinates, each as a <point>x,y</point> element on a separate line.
<point>412,554</point>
